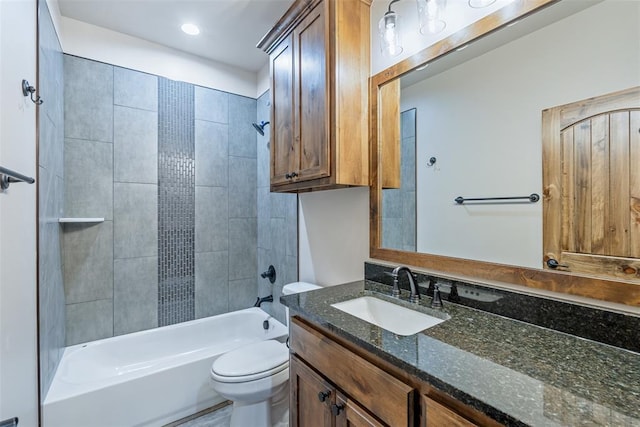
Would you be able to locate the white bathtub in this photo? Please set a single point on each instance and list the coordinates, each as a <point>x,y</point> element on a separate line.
<point>149,378</point>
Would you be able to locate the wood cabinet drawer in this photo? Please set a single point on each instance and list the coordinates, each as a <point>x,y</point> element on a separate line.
<point>388,398</point>
<point>437,415</point>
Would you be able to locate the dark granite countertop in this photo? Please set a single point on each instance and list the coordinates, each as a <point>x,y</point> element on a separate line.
<point>515,372</point>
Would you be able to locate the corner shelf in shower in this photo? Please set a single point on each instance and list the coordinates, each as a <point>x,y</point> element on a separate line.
<point>79,220</point>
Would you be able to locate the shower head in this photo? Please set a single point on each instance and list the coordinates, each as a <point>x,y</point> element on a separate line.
<point>260,127</point>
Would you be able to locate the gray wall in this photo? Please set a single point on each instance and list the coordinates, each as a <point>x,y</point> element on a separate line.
<point>51,199</point>
<point>277,224</point>
<point>399,205</point>
<point>111,171</point>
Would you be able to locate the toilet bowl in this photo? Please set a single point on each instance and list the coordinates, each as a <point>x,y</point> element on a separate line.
<point>256,378</point>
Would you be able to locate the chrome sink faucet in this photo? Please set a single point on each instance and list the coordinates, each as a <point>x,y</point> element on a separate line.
<point>415,290</point>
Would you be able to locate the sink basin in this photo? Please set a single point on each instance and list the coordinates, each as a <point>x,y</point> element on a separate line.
<point>392,317</point>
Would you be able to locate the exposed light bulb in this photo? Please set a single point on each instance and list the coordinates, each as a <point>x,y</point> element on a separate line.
<point>430,14</point>
<point>388,30</point>
<point>190,29</point>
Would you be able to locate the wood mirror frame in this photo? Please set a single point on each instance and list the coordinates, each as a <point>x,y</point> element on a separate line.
<point>606,289</point>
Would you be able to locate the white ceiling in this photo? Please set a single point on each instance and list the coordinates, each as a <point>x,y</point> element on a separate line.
<point>229,29</point>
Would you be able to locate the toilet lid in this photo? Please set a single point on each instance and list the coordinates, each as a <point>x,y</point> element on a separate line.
<point>251,362</point>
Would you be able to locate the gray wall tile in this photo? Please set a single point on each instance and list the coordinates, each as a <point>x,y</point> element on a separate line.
<point>408,123</point>
<point>242,248</point>
<point>88,179</point>
<point>392,203</point>
<point>89,321</point>
<point>264,161</point>
<point>135,220</point>
<point>135,294</point>
<point>226,220</point>
<point>51,300</point>
<point>242,293</point>
<point>242,187</point>
<point>135,89</point>
<point>212,154</point>
<point>292,231</point>
<point>263,262</point>
<point>409,221</point>
<point>88,267</point>
<point>88,99</point>
<point>212,219</point>
<point>212,283</point>
<point>242,135</point>
<point>278,239</point>
<point>264,218</point>
<point>211,105</point>
<point>135,145</point>
<point>263,108</point>
<point>408,170</point>
<point>392,233</point>
<point>51,151</point>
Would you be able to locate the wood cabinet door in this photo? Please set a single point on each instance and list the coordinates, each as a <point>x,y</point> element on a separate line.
<point>311,397</point>
<point>312,95</point>
<point>350,414</point>
<point>591,168</point>
<point>284,150</point>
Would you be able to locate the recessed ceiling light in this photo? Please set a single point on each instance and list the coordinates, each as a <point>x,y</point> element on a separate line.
<point>190,29</point>
<point>422,67</point>
<point>462,48</point>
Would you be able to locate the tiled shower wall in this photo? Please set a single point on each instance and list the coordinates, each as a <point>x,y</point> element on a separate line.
<point>277,225</point>
<point>51,199</point>
<point>399,205</point>
<point>112,171</point>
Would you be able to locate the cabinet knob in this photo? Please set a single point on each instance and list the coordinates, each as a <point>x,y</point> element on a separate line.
<point>336,409</point>
<point>290,175</point>
<point>323,395</point>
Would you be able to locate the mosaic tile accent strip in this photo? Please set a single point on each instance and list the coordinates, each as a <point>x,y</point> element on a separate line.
<point>176,202</point>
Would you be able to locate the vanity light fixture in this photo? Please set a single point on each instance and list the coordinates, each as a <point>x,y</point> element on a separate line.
<point>390,42</point>
<point>430,17</point>
<point>191,29</point>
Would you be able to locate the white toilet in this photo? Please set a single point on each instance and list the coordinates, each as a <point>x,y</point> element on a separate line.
<point>256,378</point>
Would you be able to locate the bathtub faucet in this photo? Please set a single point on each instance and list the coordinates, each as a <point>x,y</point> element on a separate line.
<point>259,301</point>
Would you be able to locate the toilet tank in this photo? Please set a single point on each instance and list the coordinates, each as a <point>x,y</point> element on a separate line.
<point>295,288</point>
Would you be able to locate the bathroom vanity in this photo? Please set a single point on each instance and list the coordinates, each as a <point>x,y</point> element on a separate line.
<point>476,368</point>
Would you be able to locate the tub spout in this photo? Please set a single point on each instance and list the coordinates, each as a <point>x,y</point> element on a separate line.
<point>259,301</point>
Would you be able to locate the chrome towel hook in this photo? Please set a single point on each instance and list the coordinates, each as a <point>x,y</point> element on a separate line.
<point>27,90</point>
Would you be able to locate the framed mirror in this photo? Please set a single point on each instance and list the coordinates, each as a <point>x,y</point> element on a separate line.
<point>469,125</point>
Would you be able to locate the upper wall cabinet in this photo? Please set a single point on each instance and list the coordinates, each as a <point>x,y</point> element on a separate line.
<point>319,56</point>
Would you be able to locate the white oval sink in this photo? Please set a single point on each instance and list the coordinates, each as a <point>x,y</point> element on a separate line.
<point>392,317</point>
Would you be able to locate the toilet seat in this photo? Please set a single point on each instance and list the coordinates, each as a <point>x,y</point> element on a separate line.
<point>251,362</point>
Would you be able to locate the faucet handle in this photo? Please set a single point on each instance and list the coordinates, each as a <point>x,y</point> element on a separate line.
<point>436,302</point>
<point>396,287</point>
